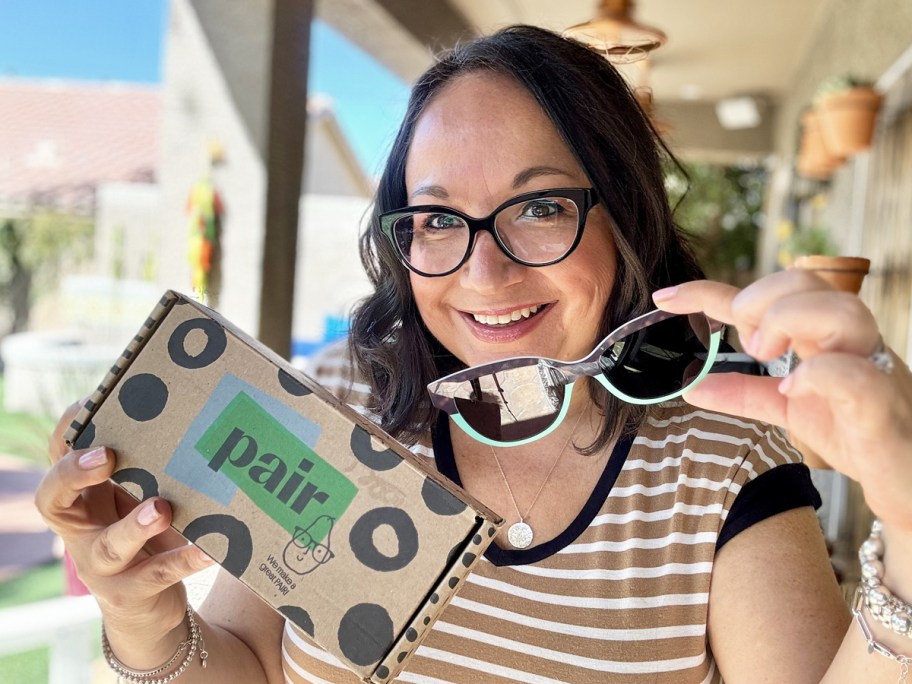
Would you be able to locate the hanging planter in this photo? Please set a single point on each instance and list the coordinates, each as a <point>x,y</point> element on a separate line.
<point>847,110</point>
<point>815,159</point>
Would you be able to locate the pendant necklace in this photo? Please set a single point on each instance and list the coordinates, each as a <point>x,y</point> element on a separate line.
<point>520,534</point>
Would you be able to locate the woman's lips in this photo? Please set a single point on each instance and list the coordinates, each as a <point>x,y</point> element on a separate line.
<point>502,334</point>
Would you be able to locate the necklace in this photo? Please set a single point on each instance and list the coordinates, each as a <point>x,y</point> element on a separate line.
<point>520,534</point>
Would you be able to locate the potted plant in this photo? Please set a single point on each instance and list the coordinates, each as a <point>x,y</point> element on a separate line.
<point>815,159</point>
<point>847,111</point>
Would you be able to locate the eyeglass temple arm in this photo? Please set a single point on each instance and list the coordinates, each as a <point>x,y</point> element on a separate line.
<point>725,362</point>
<point>735,362</point>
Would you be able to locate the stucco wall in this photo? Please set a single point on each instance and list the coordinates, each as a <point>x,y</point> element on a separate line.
<point>856,37</point>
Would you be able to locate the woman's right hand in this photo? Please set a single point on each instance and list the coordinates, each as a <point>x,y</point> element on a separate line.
<point>124,551</point>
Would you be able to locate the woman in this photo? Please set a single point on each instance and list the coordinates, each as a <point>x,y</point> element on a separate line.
<point>659,544</point>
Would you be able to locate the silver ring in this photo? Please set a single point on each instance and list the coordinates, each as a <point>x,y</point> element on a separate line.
<point>882,359</point>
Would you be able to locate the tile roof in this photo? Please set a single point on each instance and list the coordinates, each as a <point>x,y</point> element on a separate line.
<point>60,139</point>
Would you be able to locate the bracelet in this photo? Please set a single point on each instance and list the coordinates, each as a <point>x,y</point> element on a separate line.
<point>891,611</point>
<point>194,639</point>
<point>873,644</point>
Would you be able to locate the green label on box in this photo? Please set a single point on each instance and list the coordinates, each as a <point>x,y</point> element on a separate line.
<point>281,474</point>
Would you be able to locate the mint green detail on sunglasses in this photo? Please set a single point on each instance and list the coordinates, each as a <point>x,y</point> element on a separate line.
<point>653,358</point>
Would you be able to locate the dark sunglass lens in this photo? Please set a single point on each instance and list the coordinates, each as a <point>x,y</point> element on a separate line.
<point>432,242</point>
<point>660,359</point>
<point>511,405</point>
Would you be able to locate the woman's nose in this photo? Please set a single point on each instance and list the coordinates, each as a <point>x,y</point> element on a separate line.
<point>488,269</point>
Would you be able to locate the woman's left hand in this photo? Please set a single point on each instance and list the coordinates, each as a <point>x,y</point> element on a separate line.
<point>837,401</point>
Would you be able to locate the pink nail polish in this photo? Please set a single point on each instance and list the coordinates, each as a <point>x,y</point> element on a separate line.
<point>665,294</point>
<point>148,514</point>
<point>785,385</point>
<point>94,458</point>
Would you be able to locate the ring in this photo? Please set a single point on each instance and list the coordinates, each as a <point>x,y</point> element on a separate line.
<point>882,359</point>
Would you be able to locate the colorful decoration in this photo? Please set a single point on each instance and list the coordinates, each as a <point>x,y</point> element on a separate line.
<point>204,207</point>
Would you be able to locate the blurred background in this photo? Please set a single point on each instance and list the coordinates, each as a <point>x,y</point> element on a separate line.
<point>232,146</point>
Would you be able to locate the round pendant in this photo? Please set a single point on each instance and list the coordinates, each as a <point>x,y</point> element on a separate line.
<point>520,535</point>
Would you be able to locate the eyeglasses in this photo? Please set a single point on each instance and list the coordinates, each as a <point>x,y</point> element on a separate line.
<point>653,358</point>
<point>533,229</point>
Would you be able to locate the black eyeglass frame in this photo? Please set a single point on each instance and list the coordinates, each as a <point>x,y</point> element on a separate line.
<point>584,198</point>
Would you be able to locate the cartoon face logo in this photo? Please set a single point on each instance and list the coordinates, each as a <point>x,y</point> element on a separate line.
<point>303,554</point>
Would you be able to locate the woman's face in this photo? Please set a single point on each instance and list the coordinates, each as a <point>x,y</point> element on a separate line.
<point>481,141</point>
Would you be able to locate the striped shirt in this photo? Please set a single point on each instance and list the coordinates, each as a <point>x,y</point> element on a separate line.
<point>623,594</point>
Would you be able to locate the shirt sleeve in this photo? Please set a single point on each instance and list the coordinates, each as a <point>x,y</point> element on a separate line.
<point>776,490</point>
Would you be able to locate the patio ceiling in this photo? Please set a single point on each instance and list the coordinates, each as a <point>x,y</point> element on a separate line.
<point>715,49</point>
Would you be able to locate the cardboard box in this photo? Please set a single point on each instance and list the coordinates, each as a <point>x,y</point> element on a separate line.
<point>314,508</point>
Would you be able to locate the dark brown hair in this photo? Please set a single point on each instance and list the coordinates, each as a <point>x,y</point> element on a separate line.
<point>598,118</point>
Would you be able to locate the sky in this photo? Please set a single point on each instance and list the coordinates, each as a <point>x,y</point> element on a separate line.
<point>123,40</point>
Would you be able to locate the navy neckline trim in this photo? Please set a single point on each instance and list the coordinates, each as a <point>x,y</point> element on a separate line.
<point>445,460</point>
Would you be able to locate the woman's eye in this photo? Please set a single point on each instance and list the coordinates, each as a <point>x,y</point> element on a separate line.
<point>541,209</point>
<point>442,221</point>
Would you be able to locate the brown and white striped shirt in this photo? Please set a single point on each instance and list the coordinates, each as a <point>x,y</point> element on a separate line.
<point>623,594</point>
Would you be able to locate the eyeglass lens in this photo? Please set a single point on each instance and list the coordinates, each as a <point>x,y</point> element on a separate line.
<point>660,359</point>
<point>536,231</point>
<point>649,364</point>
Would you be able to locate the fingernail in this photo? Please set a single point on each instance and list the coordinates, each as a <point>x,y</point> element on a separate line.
<point>753,344</point>
<point>785,385</point>
<point>94,458</point>
<point>664,294</point>
<point>205,557</point>
<point>148,514</point>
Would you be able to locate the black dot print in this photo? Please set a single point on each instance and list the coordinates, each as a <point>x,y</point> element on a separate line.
<point>365,633</point>
<point>143,397</point>
<point>240,545</point>
<point>143,479</point>
<point>361,540</point>
<point>292,385</point>
<point>300,617</point>
<point>216,342</point>
<point>439,500</point>
<point>86,437</point>
<point>364,452</point>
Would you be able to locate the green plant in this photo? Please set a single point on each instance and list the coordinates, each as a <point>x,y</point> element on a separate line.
<point>721,207</point>
<point>801,241</point>
<point>34,250</point>
<point>838,84</point>
<point>811,240</point>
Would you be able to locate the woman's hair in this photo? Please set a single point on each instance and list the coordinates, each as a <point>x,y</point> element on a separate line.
<point>599,119</point>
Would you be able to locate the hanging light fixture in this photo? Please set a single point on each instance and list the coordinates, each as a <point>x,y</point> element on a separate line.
<point>614,33</point>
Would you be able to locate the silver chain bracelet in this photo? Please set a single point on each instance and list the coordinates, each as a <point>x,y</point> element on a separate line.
<point>892,612</point>
<point>192,643</point>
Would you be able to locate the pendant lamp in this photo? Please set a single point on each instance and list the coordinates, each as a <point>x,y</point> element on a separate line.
<point>614,33</point>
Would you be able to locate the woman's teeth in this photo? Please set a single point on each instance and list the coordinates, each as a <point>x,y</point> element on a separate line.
<point>507,318</point>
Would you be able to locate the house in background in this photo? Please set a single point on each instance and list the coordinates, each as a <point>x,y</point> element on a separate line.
<point>95,151</point>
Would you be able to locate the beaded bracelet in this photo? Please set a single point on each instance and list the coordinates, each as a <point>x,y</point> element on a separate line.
<point>193,640</point>
<point>890,611</point>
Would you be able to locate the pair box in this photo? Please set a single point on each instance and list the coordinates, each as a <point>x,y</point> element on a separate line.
<point>327,518</point>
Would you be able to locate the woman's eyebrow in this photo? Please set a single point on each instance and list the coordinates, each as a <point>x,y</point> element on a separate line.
<point>432,191</point>
<point>526,175</point>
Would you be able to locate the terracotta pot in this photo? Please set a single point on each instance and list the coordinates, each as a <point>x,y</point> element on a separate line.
<point>815,160</point>
<point>847,119</point>
<point>845,274</point>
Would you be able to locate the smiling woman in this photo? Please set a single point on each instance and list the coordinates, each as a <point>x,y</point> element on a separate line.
<point>520,219</point>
